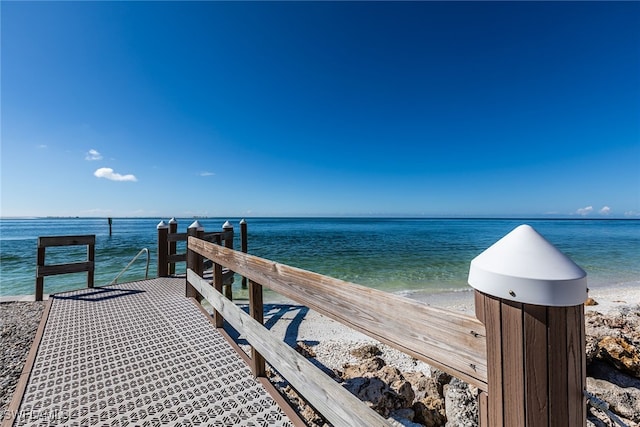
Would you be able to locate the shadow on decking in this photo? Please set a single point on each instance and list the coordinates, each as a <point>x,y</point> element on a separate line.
<point>99,294</point>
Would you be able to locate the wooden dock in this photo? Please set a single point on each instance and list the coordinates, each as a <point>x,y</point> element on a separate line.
<point>146,353</point>
<point>138,353</point>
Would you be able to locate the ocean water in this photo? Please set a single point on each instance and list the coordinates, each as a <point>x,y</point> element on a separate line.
<point>408,256</point>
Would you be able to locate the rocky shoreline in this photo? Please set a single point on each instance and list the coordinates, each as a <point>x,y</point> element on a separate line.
<point>407,392</point>
<point>410,393</point>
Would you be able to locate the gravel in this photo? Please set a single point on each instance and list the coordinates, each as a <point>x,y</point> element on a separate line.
<point>18,325</point>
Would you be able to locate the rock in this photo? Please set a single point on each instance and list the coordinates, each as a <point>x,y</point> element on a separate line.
<point>430,411</point>
<point>403,415</point>
<point>365,369</point>
<point>404,393</point>
<point>442,379</point>
<point>366,351</point>
<point>422,385</point>
<point>389,374</point>
<point>621,354</point>
<point>398,419</point>
<point>461,404</point>
<point>374,392</point>
<point>622,401</point>
<point>591,348</point>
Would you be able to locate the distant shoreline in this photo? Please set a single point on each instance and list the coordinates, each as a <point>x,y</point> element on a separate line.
<point>373,217</point>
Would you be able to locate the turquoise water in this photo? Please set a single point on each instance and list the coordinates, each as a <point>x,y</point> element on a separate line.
<point>408,256</point>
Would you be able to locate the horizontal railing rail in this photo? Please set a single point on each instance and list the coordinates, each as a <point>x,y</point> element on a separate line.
<point>450,341</point>
<point>334,402</point>
<point>43,270</point>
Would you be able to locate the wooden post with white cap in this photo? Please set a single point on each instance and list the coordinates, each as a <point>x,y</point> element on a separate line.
<point>194,260</point>
<point>163,249</point>
<point>530,298</point>
<point>227,229</point>
<point>173,228</point>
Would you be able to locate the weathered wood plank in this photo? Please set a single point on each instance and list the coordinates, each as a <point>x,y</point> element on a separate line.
<point>513,363</point>
<point>576,356</point>
<point>218,283</point>
<point>441,338</point>
<point>177,237</point>
<point>47,241</point>
<point>91,257</point>
<point>478,300</point>
<point>40,279</point>
<point>535,345</point>
<point>177,258</point>
<point>256,311</point>
<point>493,320</point>
<point>335,403</point>
<point>55,269</point>
<point>558,384</point>
<point>483,410</point>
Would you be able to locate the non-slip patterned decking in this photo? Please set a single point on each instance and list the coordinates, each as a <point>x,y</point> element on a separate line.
<point>140,353</point>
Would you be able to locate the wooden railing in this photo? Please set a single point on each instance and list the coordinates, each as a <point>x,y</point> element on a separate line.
<point>168,237</point>
<point>43,270</point>
<point>444,339</point>
<point>527,359</point>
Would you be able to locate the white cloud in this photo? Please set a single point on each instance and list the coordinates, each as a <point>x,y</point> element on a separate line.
<point>606,210</point>
<point>585,211</point>
<point>207,173</point>
<point>93,155</point>
<point>632,214</point>
<point>108,173</point>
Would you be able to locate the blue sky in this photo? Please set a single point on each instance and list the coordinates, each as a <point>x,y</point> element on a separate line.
<point>320,108</point>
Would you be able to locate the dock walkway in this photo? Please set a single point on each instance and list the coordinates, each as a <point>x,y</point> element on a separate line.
<point>139,353</point>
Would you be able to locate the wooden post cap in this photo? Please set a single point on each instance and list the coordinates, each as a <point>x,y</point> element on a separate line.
<point>196,224</point>
<point>162,225</point>
<point>524,267</point>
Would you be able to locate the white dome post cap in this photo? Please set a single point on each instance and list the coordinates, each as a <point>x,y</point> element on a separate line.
<point>525,267</point>
<point>227,224</point>
<point>242,221</point>
<point>173,220</point>
<point>196,224</point>
<point>162,225</point>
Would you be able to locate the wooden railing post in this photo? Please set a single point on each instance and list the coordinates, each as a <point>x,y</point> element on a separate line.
<point>91,257</point>
<point>256,310</point>
<point>243,245</point>
<point>173,228</point>
<point>530,298</point>
<point>40,279</point>
<point>217,284</point>
<point>194,260</point>
<point>227,229</point>
<point>163,249</point>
